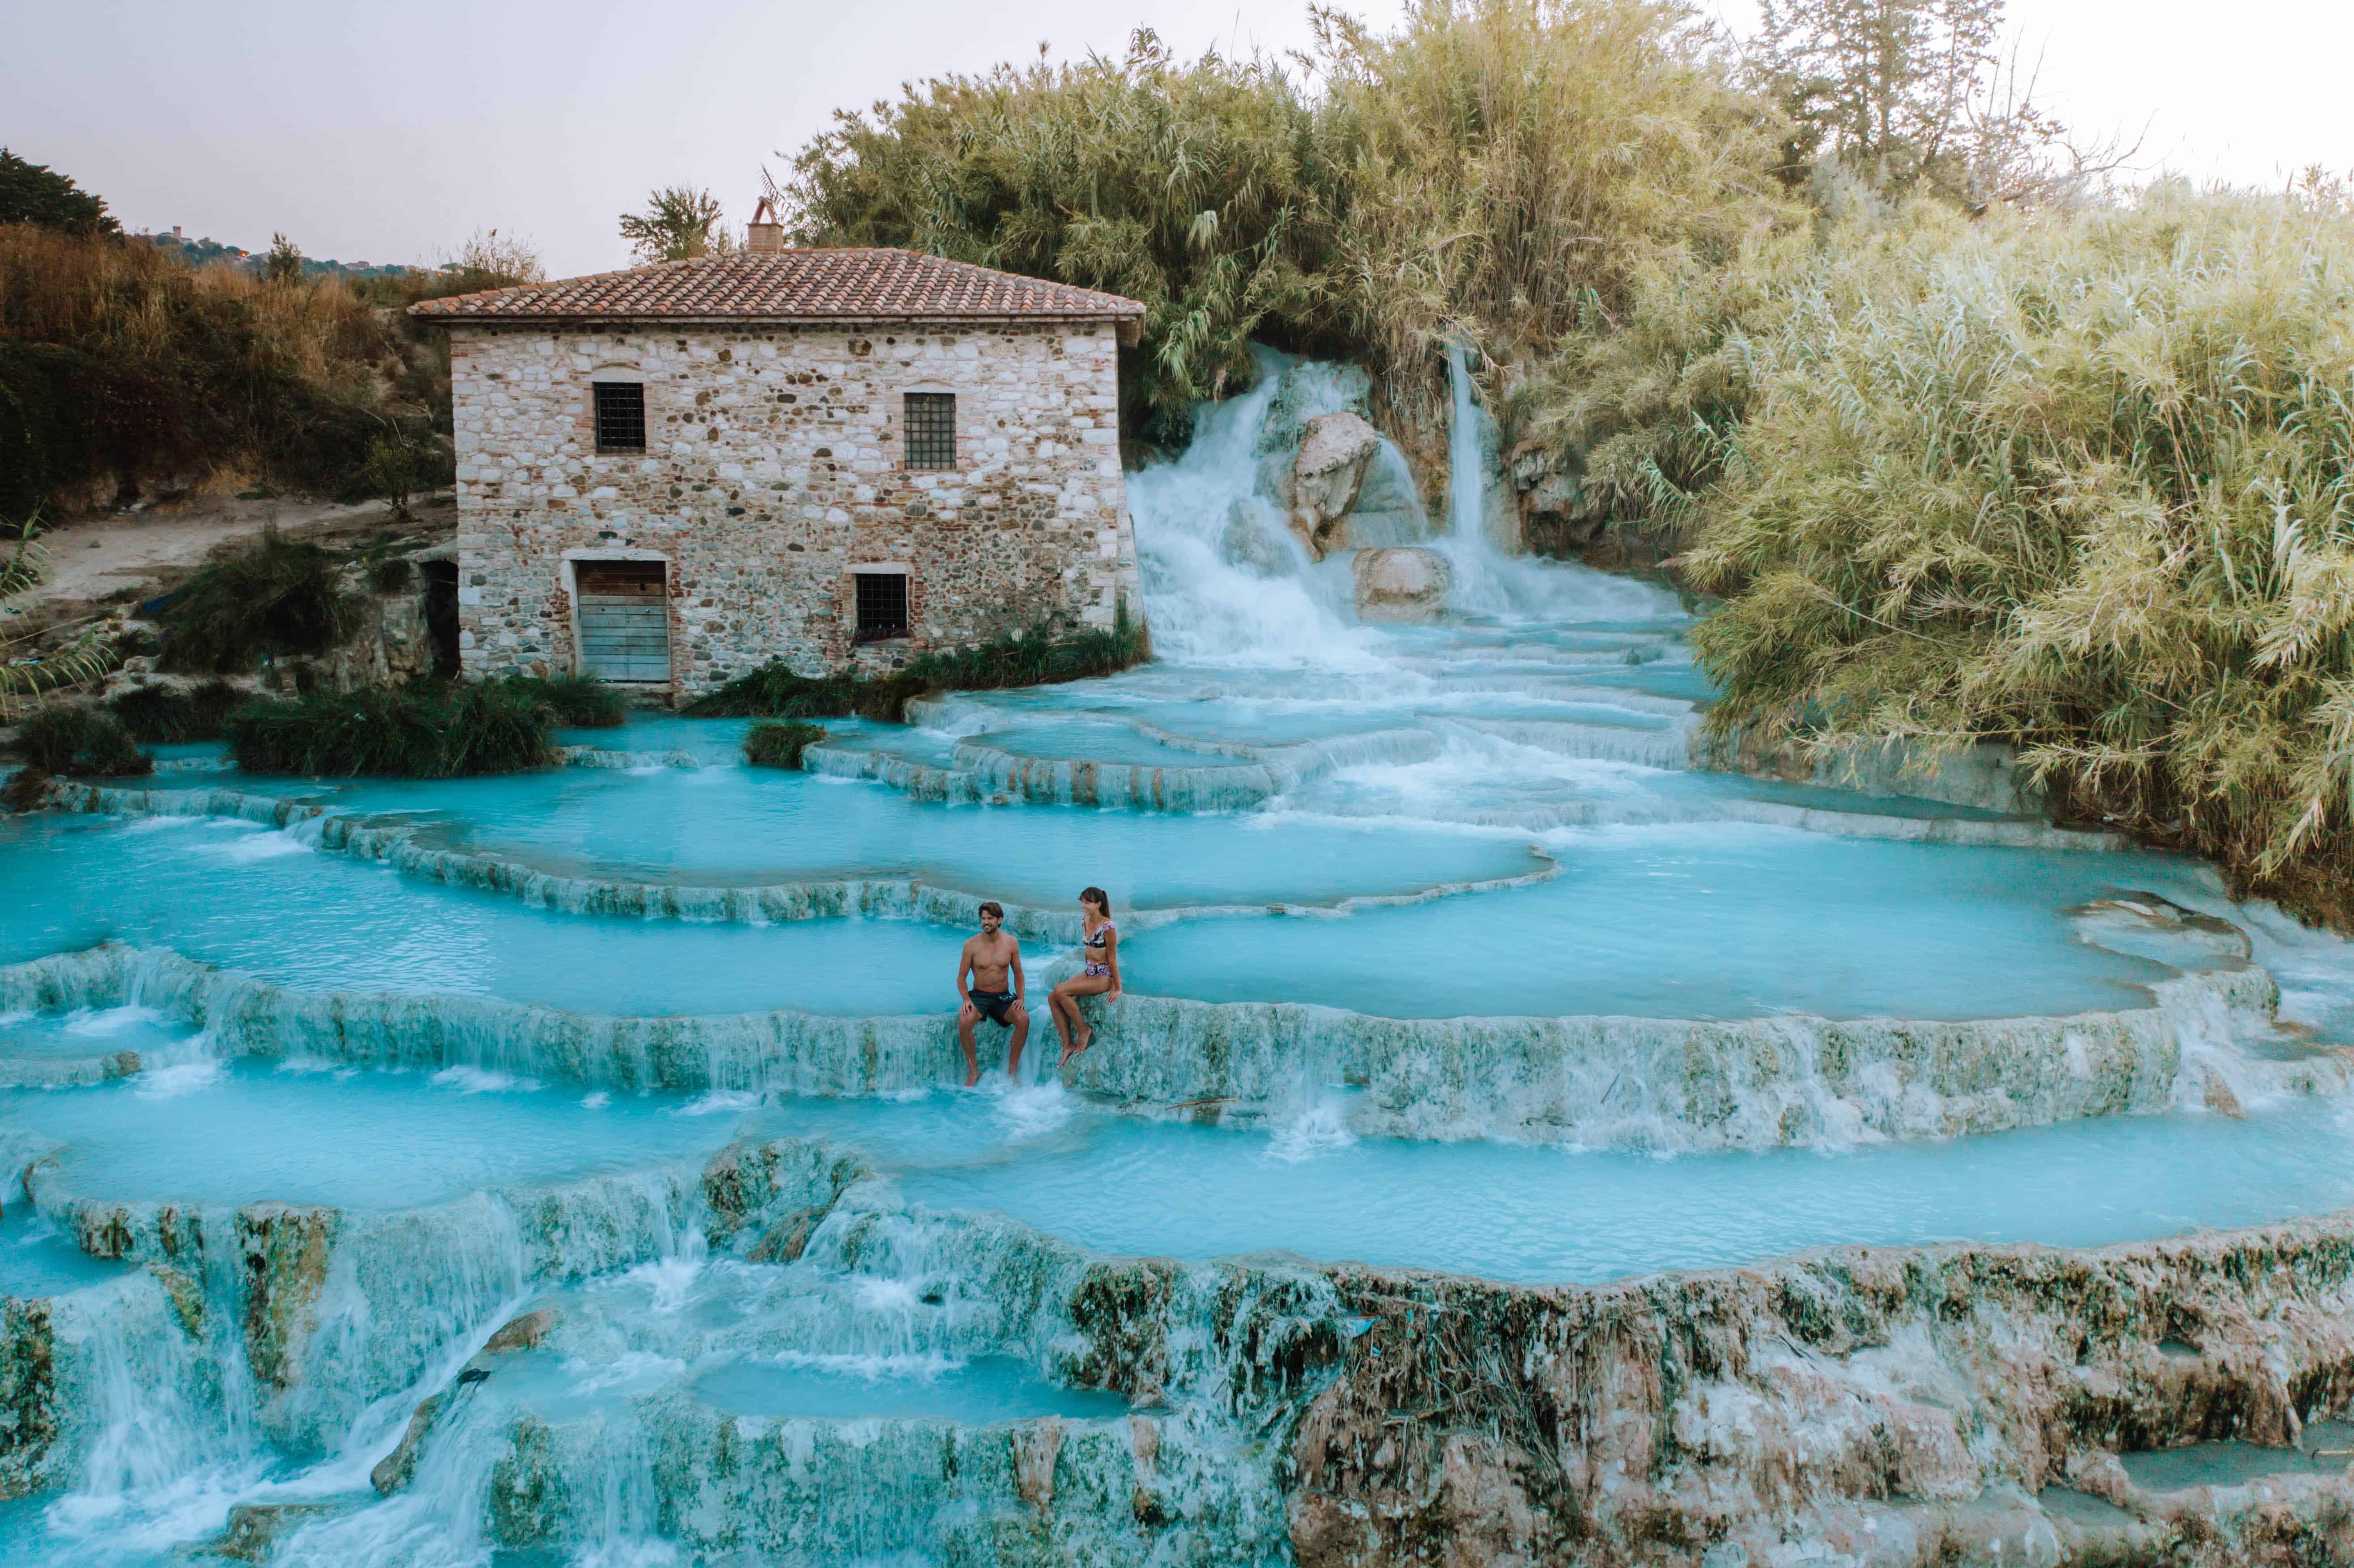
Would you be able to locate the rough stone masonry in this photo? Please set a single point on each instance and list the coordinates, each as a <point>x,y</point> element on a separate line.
<point>776,464</point>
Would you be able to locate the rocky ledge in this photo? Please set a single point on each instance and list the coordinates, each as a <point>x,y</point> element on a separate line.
<point>1891,1407</point>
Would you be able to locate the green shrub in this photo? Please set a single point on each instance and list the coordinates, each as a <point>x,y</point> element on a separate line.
<point>77,741</point>
<point>119,360</point>
<point>28,790</point>
<point>492,727</point>
<point>391,575</point>
<point>581,702</point>
<point>1498,169</point>
<point>1038,659</point>
<point>773,691</point>
<point>401,465</point>
<point>1203,190</point>
<point>159,715</point>
<point>274,597</point>
<point>496,726</point>
<point>49,446</point>
<point>780,745</point>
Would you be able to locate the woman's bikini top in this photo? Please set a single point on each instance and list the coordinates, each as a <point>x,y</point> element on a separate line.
<point>1097,939</point>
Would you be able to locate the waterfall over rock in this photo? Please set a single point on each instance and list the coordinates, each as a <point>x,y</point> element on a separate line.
<point>579,1168</point>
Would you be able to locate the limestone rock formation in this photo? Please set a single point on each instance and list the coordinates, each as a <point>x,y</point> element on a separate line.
<point>1326,475</point>
<point>1384,504</point>
<point>254,1528</point>
<point>785,1240</point>
<point>1893,1406</point>
<point>1401,584</point>
<point>393,1471</point>
<point>523,1333</point>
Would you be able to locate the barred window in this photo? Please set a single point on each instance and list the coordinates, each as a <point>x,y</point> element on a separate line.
<point>931,429</point>
<point>620,416</point>
<point>882,606</point>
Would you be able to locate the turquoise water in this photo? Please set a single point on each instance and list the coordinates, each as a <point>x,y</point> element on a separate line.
<point>1539,734</point>
<point>266,903</point>
<point>213,1132</point>
<point>39,1259</point>
<point>52,1036</point>
<point>989,1388</point>
<point>1531,1215</point>
<point>1708,922</point>
<point>376,1140</point>
<point>1674,922</point>
<point>738,825</point>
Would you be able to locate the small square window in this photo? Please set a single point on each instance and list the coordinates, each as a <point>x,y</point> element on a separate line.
<point>882,606</point>
<point>620,416</point>
<point>931,429</point>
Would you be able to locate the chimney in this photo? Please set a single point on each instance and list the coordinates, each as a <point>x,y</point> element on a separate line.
<point>764,232</point>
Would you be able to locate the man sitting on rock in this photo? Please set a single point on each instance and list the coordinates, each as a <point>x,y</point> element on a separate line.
<point>994,960</point>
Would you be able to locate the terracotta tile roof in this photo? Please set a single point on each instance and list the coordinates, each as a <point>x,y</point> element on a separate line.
<point>865,284</point>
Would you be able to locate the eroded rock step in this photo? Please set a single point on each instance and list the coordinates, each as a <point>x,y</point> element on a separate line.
<point>1689,920</point>
<point>1596,1082</point>
<point>695,843</point>
<point>1227,1412</point>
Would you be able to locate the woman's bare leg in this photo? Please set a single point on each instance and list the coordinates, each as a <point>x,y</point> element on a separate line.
<point>1060,1008</point>
<point>1079,1035</point>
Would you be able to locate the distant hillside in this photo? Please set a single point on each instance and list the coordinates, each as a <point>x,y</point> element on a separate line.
<point>209,252</point>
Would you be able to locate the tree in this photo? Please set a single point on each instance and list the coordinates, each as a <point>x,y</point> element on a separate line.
<point>678,223</point>
<point>401,465</point>
<point>37,194</point>
<point>1889,88</point>
<point>284,263</point>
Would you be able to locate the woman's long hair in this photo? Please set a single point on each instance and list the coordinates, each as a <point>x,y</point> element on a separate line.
<point>1098,897</point>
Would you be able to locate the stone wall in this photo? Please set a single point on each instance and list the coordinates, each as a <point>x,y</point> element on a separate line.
<point>773,467</point>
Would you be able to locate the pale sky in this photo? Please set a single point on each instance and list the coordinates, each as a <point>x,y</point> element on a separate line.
<point>390,133</point>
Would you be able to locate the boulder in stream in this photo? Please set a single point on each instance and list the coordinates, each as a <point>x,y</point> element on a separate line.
<point>251,1535</point>
<point>392,1472</point>
<point>1326,475</point>
<point>1402,584</point>
<point>525,1332</point>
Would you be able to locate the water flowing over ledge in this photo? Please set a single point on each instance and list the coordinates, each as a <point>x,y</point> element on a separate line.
<point>763,904</point>
<point>1590,1082</point>
<point>372,1345</point>
<point>1908,1405</point>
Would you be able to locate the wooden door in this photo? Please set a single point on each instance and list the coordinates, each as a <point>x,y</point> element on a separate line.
<point>624,611</point>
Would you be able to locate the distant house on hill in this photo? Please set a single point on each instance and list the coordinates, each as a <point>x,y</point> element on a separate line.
<point>669,476</point>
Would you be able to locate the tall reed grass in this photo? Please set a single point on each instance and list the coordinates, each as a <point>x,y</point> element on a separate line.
<point>1519,163</point>
<point>2083,484</point>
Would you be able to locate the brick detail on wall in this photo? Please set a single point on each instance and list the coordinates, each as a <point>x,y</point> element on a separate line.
<point>772,466</point>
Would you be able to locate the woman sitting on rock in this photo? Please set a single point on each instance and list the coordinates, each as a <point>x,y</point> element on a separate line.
<point>1099,944</point>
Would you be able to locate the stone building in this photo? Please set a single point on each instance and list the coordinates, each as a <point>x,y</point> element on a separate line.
<point>669,476</point>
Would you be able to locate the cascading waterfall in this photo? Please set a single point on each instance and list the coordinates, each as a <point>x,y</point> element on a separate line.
<point>1489,582</point>
<point>1225,579</point>
<point>670,1242</point>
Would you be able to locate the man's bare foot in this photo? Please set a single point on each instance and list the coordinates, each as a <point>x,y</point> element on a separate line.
<point>972,1078</point>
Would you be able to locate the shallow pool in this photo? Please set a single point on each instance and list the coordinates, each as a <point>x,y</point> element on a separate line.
<point>216,1132</point>
<point>268,903</point>
<point>376,1140</point>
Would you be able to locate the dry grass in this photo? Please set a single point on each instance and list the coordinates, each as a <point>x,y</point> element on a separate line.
<point>121,363</point>
<point>2081,483</point>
